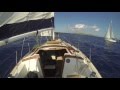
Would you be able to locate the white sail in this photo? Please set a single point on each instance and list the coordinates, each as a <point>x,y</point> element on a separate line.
<point>109,35</point>
<point>25,16</point>
<point>22,24</point>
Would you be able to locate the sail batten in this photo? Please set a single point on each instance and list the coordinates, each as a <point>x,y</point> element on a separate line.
<point>23,22</point>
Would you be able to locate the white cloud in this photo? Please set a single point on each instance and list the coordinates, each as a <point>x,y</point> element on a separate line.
<point>83,27</point>
<point>94,26</point>
<point>80,26</point>
<point>97,29</point>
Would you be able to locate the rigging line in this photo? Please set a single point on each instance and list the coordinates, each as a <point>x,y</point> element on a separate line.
<point>113,68</point>
<point>66,39</point>
<point>29,47</point>
<point>36,37</point>
<point>8,70</point>
<point>77,69</point>
<point>105,55</point>
<point>40,38</point>
<point>7,58</point>
<point>16,57</point>
<point>40,32</point>
<point>29,66</point>
<point>17,42</point>
<point>46,38</point>
<point>9,67</point>
<point>16,60</point>
<point>22,47</point>
<point>1,14</point>
<point>90,54</point>
<point>6,21</point>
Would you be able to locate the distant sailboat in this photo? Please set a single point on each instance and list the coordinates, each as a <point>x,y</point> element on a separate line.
<point>109,35</point>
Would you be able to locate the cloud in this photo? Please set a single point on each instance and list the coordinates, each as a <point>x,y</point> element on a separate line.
<point>85,27</point>
<point>80,26</point>
<point>97,29</point>
<point>94,26</point>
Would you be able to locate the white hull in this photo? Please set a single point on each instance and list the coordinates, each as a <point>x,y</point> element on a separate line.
<point>56,57</point>
<point>111,40</point>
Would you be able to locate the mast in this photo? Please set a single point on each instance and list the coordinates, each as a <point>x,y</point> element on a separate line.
<point>53,36</point>
<point>111,29</point>
<point>53,32</point>
<point>112,35</point>
<point>107,36</point>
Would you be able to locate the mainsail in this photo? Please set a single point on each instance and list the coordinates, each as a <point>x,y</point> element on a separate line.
<point>26,24</point>
<point>109,35</point>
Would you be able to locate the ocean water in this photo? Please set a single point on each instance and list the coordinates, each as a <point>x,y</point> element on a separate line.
<point>104,55</point>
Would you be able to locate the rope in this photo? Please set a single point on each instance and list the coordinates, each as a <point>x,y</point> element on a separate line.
<point>66,39</point>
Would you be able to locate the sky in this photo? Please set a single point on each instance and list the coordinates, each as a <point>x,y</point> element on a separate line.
<point>91,23</point>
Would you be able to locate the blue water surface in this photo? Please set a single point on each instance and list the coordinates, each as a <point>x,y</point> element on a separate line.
<point>104,55</point>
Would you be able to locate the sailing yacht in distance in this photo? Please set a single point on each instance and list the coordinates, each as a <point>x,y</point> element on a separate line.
<point>109,35</point>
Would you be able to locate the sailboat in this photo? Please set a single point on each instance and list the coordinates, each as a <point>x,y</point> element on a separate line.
<point>53,59</point>
<point>109,35</point>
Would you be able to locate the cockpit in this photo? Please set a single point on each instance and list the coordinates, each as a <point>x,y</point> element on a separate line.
<point>52,62</point>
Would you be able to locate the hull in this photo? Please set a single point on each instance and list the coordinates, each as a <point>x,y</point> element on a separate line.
<point>55,59</point>
<point>111,40</point>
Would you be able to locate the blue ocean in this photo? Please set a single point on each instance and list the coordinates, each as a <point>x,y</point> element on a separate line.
<point>104,55</point>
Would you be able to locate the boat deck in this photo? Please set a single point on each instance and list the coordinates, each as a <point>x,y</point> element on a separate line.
<point>56,59</point>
